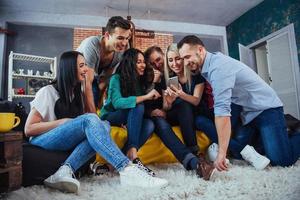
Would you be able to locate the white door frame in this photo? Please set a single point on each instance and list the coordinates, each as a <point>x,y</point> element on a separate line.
<point>289,29</point>
<point>249,59</point>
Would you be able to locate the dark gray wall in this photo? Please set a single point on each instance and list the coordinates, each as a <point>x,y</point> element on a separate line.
<point>35,40</point>
<point>211,44</point>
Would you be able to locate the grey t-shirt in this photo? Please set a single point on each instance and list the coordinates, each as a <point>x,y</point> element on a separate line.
<point>90,48</point>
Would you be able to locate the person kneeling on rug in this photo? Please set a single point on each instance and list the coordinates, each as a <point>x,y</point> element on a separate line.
<point>57,122</point>
<point>261,109</point>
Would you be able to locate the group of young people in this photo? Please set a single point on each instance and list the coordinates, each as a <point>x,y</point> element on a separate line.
<point>211,92</point>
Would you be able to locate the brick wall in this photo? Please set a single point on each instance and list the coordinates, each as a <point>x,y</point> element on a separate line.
<point>82,33</point>
<point>161,40</point>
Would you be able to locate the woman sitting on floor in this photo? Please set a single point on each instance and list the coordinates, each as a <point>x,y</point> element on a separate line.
<point>124,103</point>
<point>57,122</point>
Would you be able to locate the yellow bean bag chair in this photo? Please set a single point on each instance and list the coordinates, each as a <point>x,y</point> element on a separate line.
<point>154,151</point>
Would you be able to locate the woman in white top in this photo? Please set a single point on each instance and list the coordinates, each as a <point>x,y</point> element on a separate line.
<point>57,122</point>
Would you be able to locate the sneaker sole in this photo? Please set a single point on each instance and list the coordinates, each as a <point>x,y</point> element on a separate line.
<point>64,185</point>
<point>125,183</point>
<point>264,164</point>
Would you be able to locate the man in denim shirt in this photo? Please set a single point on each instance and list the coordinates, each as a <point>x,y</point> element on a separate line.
<point>235,83</point>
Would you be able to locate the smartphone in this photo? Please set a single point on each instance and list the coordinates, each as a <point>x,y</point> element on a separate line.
<point>174,81</point>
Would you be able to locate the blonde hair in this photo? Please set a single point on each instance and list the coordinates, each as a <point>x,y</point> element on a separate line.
<point>167,70</point>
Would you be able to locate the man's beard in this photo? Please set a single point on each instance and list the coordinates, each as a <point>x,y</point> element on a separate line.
<point>193,71</point>
<point>198,64</point>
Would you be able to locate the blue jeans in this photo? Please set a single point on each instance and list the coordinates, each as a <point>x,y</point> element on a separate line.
<point>242,133</point>
<point>138,128</point>
<point>182,114</point>
<point>279,148</point>
<point>84,135</point>
<point>182,153</point>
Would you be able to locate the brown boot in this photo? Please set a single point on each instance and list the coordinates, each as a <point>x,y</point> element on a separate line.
<point>205,169</point>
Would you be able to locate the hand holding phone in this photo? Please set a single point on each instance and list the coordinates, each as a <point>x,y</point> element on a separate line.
<point>174,81</point>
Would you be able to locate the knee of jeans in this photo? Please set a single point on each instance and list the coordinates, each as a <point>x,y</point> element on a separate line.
<point>140,108</point>
<point>163,126</point>
<point>160,122</point>
<point>92,117</point>
<point>93,120</point>
<point>279,157</point>
<point>149,126</point>
<point>200,121</point>
<point>242,137</point>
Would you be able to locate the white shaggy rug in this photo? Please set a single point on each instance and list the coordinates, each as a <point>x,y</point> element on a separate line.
<point>240,182</point>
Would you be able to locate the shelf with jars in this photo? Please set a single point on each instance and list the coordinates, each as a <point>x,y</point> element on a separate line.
<point>31,78</point>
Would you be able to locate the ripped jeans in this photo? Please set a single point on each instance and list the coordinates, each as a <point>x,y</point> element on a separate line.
<point>84,135</point>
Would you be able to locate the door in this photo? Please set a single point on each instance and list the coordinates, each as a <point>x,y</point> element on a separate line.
<point>247,56</point>
<point>262,62</point>
<point>281,71</point>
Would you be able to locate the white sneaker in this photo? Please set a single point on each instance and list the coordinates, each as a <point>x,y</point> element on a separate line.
<point>255,159</point>
<point>132,175</point>
<point>140,165</point>
<point>212,153</point>
<point>63,180</point>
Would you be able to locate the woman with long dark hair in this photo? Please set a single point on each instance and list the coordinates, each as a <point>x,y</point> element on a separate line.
<point>57,121</point>
<point>124,104</point>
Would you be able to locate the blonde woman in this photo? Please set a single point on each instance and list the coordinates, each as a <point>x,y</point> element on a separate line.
<point>176,108</point>
<point>182,97</point>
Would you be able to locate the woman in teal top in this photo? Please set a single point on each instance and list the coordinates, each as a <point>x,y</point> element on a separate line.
<point>124,104</point>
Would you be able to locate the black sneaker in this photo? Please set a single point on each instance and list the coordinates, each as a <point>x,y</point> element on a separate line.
<point>139,163</point>
<point>98,169</point>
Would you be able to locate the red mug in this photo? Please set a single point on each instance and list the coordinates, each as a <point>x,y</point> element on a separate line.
<point>21,91</point>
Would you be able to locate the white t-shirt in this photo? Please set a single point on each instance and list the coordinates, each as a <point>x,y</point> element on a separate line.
<point>44,102</point>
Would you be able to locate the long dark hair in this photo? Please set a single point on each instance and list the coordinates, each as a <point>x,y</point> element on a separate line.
<point>70,103</point>
<point>128,74</point>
